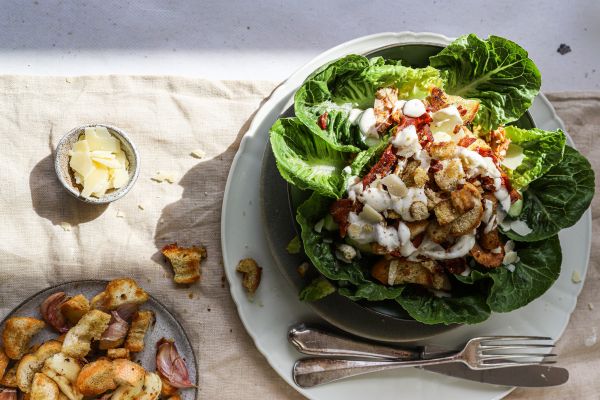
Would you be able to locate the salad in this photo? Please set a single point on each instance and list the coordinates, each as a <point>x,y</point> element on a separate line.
<point>424,190</point>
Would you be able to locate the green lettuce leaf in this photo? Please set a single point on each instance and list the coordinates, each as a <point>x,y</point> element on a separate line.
<point>541,150</point>
<point>496,71</point>
<point>371,291</point>
<point>465,308</point>
<point>557,199</point>
<point>364,160</point>
<point>294,246</point>
<point>306,160</point>
<point>319,251</point>
<point>317,289</point>
<point>351,82</point>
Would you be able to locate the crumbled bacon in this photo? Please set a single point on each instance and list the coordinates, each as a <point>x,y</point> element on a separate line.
<point>435,166</point>
<point>383,167</point>
<point>455,266</point>
<point>323,120</point>
<point>339,211</point>
<point>487,183</point>
<point>466,141</point>
<point>425,136</point>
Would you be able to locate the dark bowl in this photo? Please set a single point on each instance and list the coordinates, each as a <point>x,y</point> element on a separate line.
<point>381,321</point>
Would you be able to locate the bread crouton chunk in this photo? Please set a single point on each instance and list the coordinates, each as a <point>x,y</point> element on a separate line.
<point>251,274</point>
<point>32,363</point>
<point>74,308</point>
<point>119,292</point>
<point>91,326</point>
<point>18,332</point>
<point>121,352</point>
<point>185,262</point>
<point>4,360</point>
<point>96,378</point>
<point>10,377</point>
<point>139,326</point>
<point>43,388</point>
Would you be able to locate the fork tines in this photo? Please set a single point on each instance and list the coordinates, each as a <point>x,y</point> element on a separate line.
<point>510,350</point>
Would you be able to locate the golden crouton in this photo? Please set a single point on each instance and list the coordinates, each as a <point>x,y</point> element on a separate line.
<point>63,370</point>
<point>167,389</point>
<point>185,262</point>
<point>139,325</point>
<point>442,150</point>
<point>468,221</point>
<point>32,363</point>
<point>417,227</point>
<point>408,173</point>
<point>118,353</point>
<point>490,240</point>
<point>127,372</point>
<point>96,378</point>
<point>426,273</point>
<point>128,392</point>
<point>445,212</point>
<point>251,272</point>
<point>91,326</point>
<point>10,377</point>
<point>176,396</point>
<point>152,387</point>
<point>421,177</point>
<point>43,388</point>
<point>465,198</point>
<point>450,176</point>
<point>74,308</point>
<point>17,333</point>
<point>486,257</point>
<point>418,210</point>
<point>4,360</point>
<point>119,292</point>
<point>438,233</point>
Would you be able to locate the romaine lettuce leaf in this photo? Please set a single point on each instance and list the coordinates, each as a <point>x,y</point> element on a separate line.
<point>371,291</point>
<point>465,308</point>
<point>496,71</point>
<point>557,199</point>
<point>541,150</point>
<point>320,252</point>
<point>317,289</point>
<point>351,82</point>
<point>306,160</point>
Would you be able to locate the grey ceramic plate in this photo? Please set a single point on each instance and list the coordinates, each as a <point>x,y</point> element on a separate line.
<point>165,326</point>
<point>385,321</point>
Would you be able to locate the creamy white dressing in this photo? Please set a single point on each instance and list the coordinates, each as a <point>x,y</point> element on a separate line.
<point>477,164</point>
<point>406,142</point>
<point>378,198</point>
<point>401,205</point>
<point>359,230</point>
<point>413,108</point>
<point>520,227</point>
<point>345,252</point>
<point>459,249</point>
<point>354,116</point>
<point>354,187</point>
<point>503,198</point>
<point>398,105</point>
<point>367,124</point>
<point>445,120</point>
<point>387,237</point>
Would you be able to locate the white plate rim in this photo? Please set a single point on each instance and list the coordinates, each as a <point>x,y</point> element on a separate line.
<point>285,91</point>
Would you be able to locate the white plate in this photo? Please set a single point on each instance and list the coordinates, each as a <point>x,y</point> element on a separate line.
<point>276,305</point>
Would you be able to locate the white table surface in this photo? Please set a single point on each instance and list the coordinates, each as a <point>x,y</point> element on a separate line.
<point>269,39</point>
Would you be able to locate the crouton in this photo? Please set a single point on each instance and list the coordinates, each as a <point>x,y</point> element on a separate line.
<point>91,326</point>
<point>445,212</point>
<point>427,273</point>
<point>43,388</point>
<point>408,173</point>
<point>18,331</point>
<point>442,150</point>
<point>4,360</point>
<point>450,176</point>
<point>10,377</point>
<point>118,353</point>
<point>251,274</point>
<point>127,372</point>
<point>490,240</point>
<point>437,99</point>
<point>152,387</point>
<point>417,227</point>
<point>31,364</point>
<point>467,221</point>
<point>438,233</point>
<point>139,325</point>
<point>63,370</point>
<point>128,392</point>
<point>119,292</point>
<point>176,396</point>
<point>418,210</point>
<point>167,389</point>
<point>185,262</point>
<point>433,198</point>
<point>421,177</point>
<point>486,257</point>
<point>96,378</point>
<point>465,198</point>
<point>74,308</point>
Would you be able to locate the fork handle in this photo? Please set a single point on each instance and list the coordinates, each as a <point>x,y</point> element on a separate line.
<point>316,342</point>
<point>309,372</point>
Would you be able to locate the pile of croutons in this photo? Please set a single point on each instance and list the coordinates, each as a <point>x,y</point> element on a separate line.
<point>92,356</point>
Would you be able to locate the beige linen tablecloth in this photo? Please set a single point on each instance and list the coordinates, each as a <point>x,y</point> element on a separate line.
<point>167,118</point>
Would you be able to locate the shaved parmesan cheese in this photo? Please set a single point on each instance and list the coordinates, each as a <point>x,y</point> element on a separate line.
<point>514,156</point>
<point>98,163</point>
<point>164,176</point>
<point>65,226</point>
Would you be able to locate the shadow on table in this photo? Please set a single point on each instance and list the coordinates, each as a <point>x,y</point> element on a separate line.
<point>51,201</point>
<point>190,220</point>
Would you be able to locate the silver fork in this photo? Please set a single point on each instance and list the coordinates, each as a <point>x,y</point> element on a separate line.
<point>479,353</point>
